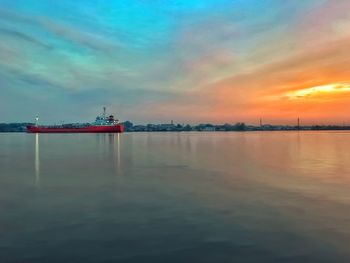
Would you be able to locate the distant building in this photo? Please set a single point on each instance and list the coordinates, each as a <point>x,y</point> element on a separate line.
<point>208,128</point>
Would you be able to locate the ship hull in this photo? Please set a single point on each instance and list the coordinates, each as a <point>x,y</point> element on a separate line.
<point>118,128</point>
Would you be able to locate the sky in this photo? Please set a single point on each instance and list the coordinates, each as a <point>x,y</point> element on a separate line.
<point>153,61</point>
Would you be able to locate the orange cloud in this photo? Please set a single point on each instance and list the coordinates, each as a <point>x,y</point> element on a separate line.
<point>312,85</point>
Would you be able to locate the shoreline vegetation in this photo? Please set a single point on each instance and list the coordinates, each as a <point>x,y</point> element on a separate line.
<point>206,127</point>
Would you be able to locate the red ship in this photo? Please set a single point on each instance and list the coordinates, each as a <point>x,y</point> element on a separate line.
<point>102,124</point>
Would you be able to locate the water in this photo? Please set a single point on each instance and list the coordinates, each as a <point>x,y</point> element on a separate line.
<point>175,197</point>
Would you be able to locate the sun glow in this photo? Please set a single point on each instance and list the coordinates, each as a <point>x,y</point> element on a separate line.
<point>319,90</point>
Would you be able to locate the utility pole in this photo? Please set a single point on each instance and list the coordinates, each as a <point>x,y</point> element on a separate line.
<point>298,123</point>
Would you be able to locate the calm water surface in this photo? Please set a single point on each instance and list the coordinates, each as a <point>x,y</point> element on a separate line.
<point>175,197</point>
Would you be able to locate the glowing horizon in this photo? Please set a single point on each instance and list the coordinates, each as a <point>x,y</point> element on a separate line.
<point>319,91</point>
<point>189,61</point>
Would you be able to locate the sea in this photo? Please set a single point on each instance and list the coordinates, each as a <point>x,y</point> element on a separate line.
<point>175,197</point>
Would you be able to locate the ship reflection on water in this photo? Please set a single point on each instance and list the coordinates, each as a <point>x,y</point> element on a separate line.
<point>117,151</point>
<point>108,145</point>
<point>114,150</point>
<point>109,148</point>
<point>175,197</point>
<point>37,160</point>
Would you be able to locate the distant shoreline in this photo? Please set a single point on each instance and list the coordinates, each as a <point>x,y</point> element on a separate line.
<point>238,127</point>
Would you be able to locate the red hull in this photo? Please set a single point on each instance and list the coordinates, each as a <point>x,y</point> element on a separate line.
<point>89,129</point>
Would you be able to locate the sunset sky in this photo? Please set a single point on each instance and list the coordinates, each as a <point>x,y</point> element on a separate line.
<point>191,61</point>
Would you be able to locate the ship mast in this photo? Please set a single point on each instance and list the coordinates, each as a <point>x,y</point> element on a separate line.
<point>104,112</point>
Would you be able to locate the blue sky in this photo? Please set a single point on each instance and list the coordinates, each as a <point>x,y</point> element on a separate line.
<point>151,61</point>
